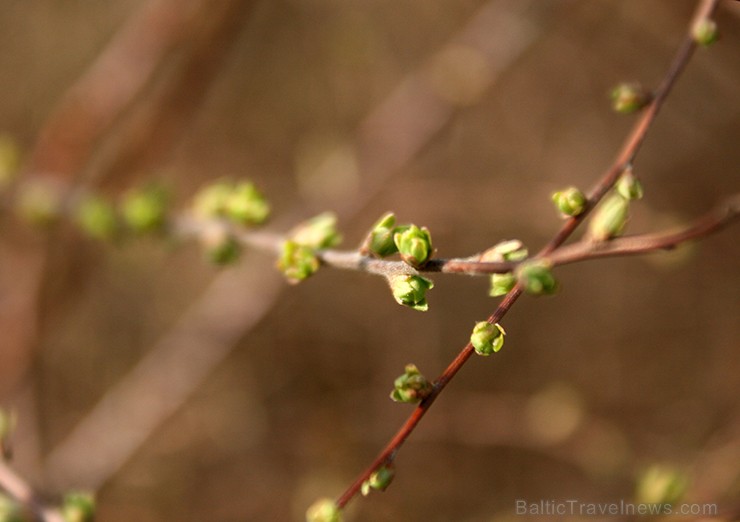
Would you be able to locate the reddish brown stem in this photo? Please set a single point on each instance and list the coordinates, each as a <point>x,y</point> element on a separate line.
<point>625,157</point>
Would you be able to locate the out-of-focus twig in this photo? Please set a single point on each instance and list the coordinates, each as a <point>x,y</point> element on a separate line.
<point>24,494</point>
<point>390,136</point>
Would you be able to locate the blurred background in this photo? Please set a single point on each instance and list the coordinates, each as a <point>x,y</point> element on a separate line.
<point>178,391</point>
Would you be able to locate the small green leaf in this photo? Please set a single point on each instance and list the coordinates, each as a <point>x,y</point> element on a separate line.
<point>317,233</point>
<point>501,284</point>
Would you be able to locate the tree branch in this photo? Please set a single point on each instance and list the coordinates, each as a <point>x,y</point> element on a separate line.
<point>627,154</point>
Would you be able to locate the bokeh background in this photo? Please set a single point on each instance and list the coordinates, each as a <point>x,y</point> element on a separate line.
<point>178,391</point>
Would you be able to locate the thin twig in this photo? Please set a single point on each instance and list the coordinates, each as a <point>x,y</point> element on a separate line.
<point>625,157</point>
<point>24,494</point>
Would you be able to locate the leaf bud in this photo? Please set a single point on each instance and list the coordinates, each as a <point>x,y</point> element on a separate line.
<point>246,205</point>
<point>414,244</point>
<point>661,485</point>
<point>97,218</point>
<point>629,97</point>
<point>317,233</point>
<point>536,277</point>
<point>379,241</point>
<point>628,186</point>
<point>411,387</point>
<point>487,338</point>
<point>145,209</point>
<point>610,218</point>
<point>509,250</point>
<point>78,507</point>
<point>379,480</point>
<point>324,510</point>
<point>570,202</point>
<point>210,201</point>
<point>501,284</point>
<point>705,32</point>
<point>297,262</point>
<point>410,290</point>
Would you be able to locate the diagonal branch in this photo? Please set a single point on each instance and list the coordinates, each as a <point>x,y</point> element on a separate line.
<point>627,154</point>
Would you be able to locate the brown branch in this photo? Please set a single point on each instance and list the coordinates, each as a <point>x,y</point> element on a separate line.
<point>627,154</point>
<point>24,494</point>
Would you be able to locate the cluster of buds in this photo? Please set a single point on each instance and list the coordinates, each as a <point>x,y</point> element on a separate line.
<point>298,259</point>
<point>241,202</point>
<point>511,250</point>
<point>413,243</point>
<point>324,510</point>
<point>379,480</point>
<point>411,387</point>
<point>221,205</point>
<point>487,338</point>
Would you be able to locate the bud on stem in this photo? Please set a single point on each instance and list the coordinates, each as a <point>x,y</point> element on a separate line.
<point>411,387</point>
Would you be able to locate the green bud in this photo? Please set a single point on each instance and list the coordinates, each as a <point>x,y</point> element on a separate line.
<point>536,277</point>
<point>571,201</point>
<point>501,284</point>
<point>7,427</point>
<point>410,290</point>
<point>661,485</point>
<point>246,205</point>
<point>509,250</point>
<point>97,218</point>
<point>411,387</point>
<point>297,262</point>
<point>629,97</point>
<point>78,507</point>
<point>40,201</point>
<point>487,338</point>
<point>210,201</point>
<point>220,245</point>
<point>628,186</point>
<point>414,244</point>
<point>10,511</point>
<point>610,218</point>
<point>318,232</point>
<point>379,242</point>
<point>705,32</point>
<point>324,510</point>
<point>145,209</point>
<point>10,160</point>
<point>379,480</point>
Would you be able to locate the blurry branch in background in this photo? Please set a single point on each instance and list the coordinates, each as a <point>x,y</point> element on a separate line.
<point>387,139</point>
<point>24,496</point>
